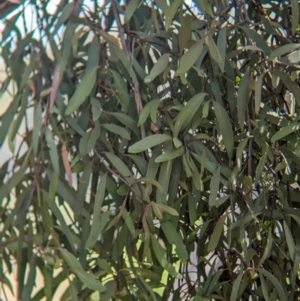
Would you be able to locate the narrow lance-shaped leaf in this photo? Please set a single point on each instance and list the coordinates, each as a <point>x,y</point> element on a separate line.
<point>150,107</point>
<point>225,128</point>
<point>222,44</point>
<point>170,155</point>
<point>242,99</point>
<point>213,49</point>
<point>128,221</point>
<point>214,187</point>
<point>295,15</point>
<point>97,212</point>
<point>53,150</point>
<point>189,58</point>
<point>268,248</point>
<point>149,142</point>
<point>158,68</point>
<point>216,235</point>
<point>236,286</point>
<point>185,32</point>
<point>88,279</point>
<point>188,112</point>
<point>175,239</point>
<point>289,240</point>
<point>275,283</point>
<point>240,152</point>
<point>283,132</point>
<point>116,130</point>
<point>258,91</point>
<point>83,90</point>
<point>130,9</point>
<point>160,254</point>
<point>282,50</point>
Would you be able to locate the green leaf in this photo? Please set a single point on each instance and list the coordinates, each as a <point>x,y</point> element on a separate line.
<point>158,68</point>
<point>225,128</point>
<point>216,235</point>
<point>258,39</point>
<point>267,251</point>
<point>149,109</point>
<point>37,127</point>
<point>242,99</point>
<point>167,209</point>
<point>148,142</point>
<point>285,131</point>
<point>88,279</point>
<point>174,238</point>
<point>222,43</point>
<point>83,90</point>
<point>260,168</point>
<point>130,9</point>
<point>236,286</point>
<point>53,150</point>
<point>282,50</point>
<point>213,49</point>
<point>189,58</point>
<point>65,14</point>
<point>239,153</point>
<point>187,112</point>
<point>264,287</point>
<point>295,15</point>
<point>170,155</point>
<point>276,284</point>
<point>96,108</point>
<point>289,240</point>
<point>214,187</point>
<point>116,130</point>
<point>177,143</point>
<point>126,120</point>
<point>258,91</point>
<point>97,216</point>
<point>292,86</point>
<point>128,221</point>
<point>160,254</point>
<point>192,209</point>
<point>156,210</point>
<point>184,35</point>
<point>119,165</point>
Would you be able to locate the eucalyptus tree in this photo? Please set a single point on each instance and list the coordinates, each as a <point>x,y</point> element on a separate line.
<point>153,150</point>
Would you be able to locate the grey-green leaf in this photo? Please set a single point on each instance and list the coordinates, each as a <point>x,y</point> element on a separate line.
<point>225,128</point>
<point>83,90</point>
<point>158,68</point>
<point>149,142</point>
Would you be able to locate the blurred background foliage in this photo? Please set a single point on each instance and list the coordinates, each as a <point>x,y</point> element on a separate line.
<point>154,150</point>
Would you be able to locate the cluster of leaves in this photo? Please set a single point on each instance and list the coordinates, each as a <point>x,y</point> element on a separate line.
<point>155,151</point>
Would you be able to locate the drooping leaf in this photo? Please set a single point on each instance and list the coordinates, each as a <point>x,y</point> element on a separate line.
<point>88,279</point>
<point>175,239</point>
<point>242,99</point>
<point>214,187</point>
<point>160,254</point>
<point>130,9</point>
<point>215,237</point>
<point>83,90</point>
<point>189,58</point>
<point>225,128</point>
<point>213,49</point>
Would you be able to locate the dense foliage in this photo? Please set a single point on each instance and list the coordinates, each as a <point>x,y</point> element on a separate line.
<point>154,150</point>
